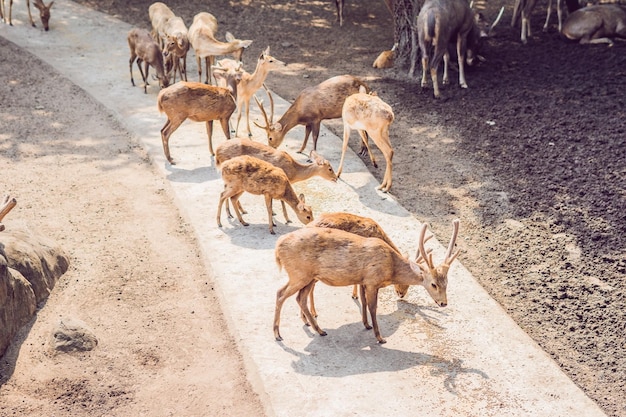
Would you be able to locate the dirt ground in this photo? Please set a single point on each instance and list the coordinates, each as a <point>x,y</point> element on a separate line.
<point>531,157</point>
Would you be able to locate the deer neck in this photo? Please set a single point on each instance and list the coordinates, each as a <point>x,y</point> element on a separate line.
<point>404,273</point>
<point>301,172</point>
<point>290,197</point>
<point>290,119</point>
<point>210,46</point>
<point>257,78</point>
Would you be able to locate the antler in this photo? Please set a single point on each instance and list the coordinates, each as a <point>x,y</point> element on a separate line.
<point>268,122</point>
<point>422,254</point>
<point>426,256</point>
<point>450,256</point>
<point>7,205</point>
<point>495,22</point>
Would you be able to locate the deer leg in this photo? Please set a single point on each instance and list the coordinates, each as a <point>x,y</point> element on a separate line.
<point>184,66</point>
<point>301,298</point>
<point>285,212</point>
<point>424,71</point>
<point>281,295</point>
<point>146,68</point>
<point>548,13</point>
<point>364,145</point>
<point>364,307</point>
<point>30,17</point>
<point>354,292</point>
<point>270,219</point>
<point>382,141</point>
<point>371,298</point>
<point>363,135</point>
<point>446,64</point>
<point>11,12</point>
<point>307,132</point>
<point>131,62</point>
<point>247,106</point>
<point>315,132</point>
<point>344,147</point>
<point>235,200</point>
<point>224,196</point>
<point>208,64</point>
<point>460,51</point>
<point>312,302</point>
<point>433,77</point>
<point>199,65</point>
<point>167,130</point>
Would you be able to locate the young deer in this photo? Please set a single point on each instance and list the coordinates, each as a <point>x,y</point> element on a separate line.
<point>197,102</point>
<point>313,104</point>
<point>247,173</point>
<point>44,12</point>
<point>340,258</point>
<point>371,116</point>
<point>362,226</point>
<point>250,83</point>
<point>228,73</point>
<point>295,170</point>
<point>176,46</point>
<point>144,49</point>
<point>202,38</point>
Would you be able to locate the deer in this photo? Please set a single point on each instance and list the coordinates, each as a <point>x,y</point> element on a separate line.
<point>386,58</point>
<point>294,170</point>
<point>440,22</point>
<point>339,258</point>
<point>44,13</point>
<point>524,9</point>
<point>144,49</point>
<point>202,38</point>
<point>370,116</point>
<point>228,73</point>
<point>246,173</point>
<point>159,15</point>
<point>313,104</point>
<point>176,46</point>
<point>362,226</point>
<point>596,24</point>
<point>197,102</point>
<point>250,83</point>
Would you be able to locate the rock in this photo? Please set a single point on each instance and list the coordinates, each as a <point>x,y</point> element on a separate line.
<point>73,335</point>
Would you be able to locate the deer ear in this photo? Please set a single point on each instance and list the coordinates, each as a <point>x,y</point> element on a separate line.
<point>277,127</point>
<point>229,37</point>
<point>301,198</point>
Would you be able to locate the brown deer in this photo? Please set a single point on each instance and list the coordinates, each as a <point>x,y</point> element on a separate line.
<point>176,46</point>
<point>362,226</point>
<point>441,22</point>
<point>145,50</point>
<point>202,38</point>
<point>340,258</point>
<point>371,116</point>
<point>596,24</point>
<point>524,9</point>
<point>246,173</point>
<point>295,170</point>
<point>313,104</point>
<point>197,102</point>
<point>250,83</point>
<point>44,12</point>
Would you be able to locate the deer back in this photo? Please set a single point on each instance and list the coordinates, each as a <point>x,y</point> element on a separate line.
<point>583,23</point>
<point>143,45</point>
<point>367,112</point>
<point>159,14</point>
<point>196,101</point>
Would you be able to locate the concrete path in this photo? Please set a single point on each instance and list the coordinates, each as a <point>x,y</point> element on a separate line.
<point>469,359</point>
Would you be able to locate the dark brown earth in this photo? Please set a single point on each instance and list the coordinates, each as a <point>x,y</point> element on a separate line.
<point>531,158</point>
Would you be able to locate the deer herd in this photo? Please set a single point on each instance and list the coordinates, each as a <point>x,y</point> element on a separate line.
<point>338,249</point>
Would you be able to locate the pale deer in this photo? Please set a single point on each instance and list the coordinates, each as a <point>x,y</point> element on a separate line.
<point>176,46</point>
<point>144,49</point>
<point>340,258</point>
<point>250,83</point>
<point>44,13</point>
<point>596,24</point>
<point>362,226</point>
<point>523,9</point>
<point>159,15</point>
<point>228,73</point>
<point>294,170</point>
<point>197,102</point>
<point>202,38</point>
<point>313,104</point>
<point>246,173</point>
<point>441,22</point>
<point>370,116</point>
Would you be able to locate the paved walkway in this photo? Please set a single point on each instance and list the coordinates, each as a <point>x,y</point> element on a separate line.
<point>469,359</point>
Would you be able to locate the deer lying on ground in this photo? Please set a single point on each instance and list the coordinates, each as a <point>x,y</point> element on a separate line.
<point>313,104</point>
<point>228,73</point>
<point>362,226</point>
<point>371,116</point>
<point>202,38</point>
<point>596,24</point>
<point>294,170</point>
<point>247,173</point>
<point>176,46</point>
<point>386,58</point>
<point>250,83</point>
<point>197,102</point>
<point>145,50</point>
<point>524,9</point>
<point>441,22</point>
<point>340,258</point>
<point>44,12</point>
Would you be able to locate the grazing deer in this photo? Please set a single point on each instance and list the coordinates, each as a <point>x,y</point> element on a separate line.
<point>44,12</point>
<point>294,170</point>
<point>362,226</point>
<point>440,22</point>
<point>228,73</point>
<point>313,104</point>
<point>371,116</point>
<point>176,46</point>
<point>197,102</point>
<point>247,173</point>
<point>250,83</point>
<point>524,9</point>
<point>340,258</point>
<point>596,24</point>
<point>144,49</point>
<point>202,38</point>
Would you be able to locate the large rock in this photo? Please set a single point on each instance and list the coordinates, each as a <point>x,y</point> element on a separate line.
<point>30,266</point>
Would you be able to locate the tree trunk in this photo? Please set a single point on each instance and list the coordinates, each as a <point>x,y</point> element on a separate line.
<point>404,14</point>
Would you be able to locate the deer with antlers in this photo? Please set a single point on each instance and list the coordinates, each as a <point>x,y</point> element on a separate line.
<point>202,37</point>
<point>370,116</point>
<point>246,173</point>
<point>313,104</point>
<point>44,12</point>
<point>340,258</point>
